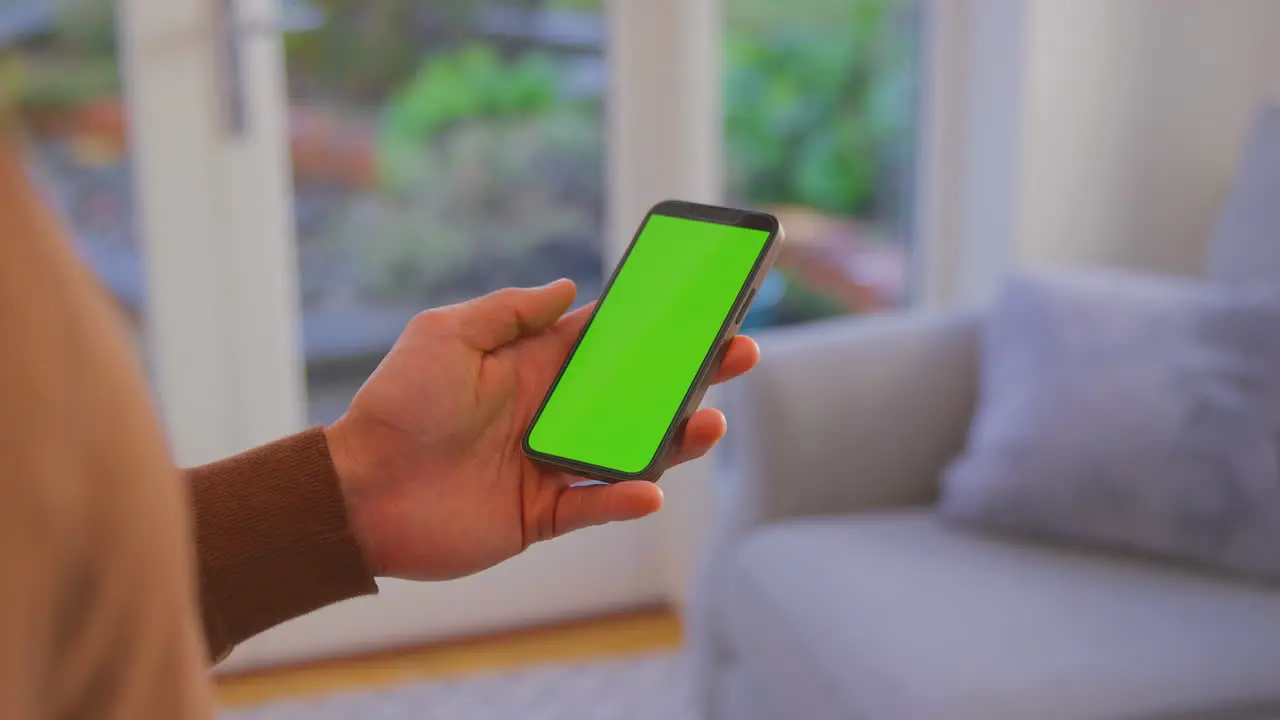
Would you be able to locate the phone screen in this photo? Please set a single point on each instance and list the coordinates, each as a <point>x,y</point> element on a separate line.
<point>624,384</point>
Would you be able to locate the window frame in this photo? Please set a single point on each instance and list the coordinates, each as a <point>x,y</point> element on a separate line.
<point>215,222</point>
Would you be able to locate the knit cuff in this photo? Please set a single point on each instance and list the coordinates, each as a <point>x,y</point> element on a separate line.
<point>273,539</point>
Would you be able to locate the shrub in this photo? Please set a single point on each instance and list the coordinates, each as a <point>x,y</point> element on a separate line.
<point>814,114</point>
<point>492,202</point>
<point>450,89</point>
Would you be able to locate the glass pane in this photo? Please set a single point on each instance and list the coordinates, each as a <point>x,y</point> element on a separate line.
<point>820,127</point>
<point>440,150</point>
<point>60,64</point>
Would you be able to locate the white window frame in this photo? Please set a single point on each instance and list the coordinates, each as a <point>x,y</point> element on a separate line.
<point>216,226</point>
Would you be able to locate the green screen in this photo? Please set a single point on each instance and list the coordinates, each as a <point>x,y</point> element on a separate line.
<point>624,384</point>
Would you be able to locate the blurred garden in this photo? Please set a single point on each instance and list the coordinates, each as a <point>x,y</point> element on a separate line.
<point>443,148</point>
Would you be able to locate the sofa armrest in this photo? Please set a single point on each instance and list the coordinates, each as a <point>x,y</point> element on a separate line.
<point>850,415</point>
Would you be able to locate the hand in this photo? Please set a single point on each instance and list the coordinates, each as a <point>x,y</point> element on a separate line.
<point>428,455</point>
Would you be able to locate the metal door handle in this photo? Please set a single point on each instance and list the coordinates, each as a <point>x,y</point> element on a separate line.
<point>293,16</point>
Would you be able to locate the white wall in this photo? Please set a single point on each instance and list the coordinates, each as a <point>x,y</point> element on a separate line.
<point>973,107</point>
<point>1135,114</point>
<point>598,570</point>
<point>1086,132</point>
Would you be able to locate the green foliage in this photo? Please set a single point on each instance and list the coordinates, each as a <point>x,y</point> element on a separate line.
<point>452,89</point>
<point>86,27</point>
<point>812,112</point>
<point>362,50</point>
<point>492,202</point>
<point>754,17</point>
<point>366,50</point>
<point>576,5</point>
<point>466,84</point>
<point>64,82</point>
<point>74,63</point>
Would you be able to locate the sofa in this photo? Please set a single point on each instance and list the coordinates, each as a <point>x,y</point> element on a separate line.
<point>832,590</point>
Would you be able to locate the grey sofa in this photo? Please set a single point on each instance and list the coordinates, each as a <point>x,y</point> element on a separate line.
<point>833,592</point>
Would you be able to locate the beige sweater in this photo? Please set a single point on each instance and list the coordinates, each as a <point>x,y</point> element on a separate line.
<point>109,557</point>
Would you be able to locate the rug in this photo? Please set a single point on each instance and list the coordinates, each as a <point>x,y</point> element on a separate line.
<point>641,688</point>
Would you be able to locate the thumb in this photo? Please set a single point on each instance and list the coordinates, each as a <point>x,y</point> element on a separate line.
<point>580,507</point>
<point>489,322</point>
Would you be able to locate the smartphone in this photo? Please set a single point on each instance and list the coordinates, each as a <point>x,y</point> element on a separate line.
<point>648,352</point>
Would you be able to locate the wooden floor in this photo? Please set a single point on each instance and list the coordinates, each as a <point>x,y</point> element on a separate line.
<point>636,632</point>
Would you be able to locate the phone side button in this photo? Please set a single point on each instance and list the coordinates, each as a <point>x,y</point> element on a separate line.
<point>746,305</point>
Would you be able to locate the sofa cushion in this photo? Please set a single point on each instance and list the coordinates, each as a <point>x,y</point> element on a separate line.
<point>1128,410</point>
<point>896,615</point>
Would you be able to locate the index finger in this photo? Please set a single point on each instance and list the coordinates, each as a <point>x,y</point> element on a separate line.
<point>742,355</point>
<point>568,328</point>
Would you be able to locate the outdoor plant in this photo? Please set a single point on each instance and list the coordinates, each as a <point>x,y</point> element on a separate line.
<point>495,201</point>
<point>814,112</point>
<point>360,51</point>
<point>487,175</point>
<point>450,89</point>
<point>69,63</point>
<point>364,50</point>
<point>87,26</point>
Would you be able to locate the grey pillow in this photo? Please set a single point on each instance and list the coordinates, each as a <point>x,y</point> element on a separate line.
<point>1128,411</point>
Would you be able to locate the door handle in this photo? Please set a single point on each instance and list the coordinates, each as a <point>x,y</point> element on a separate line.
<point>291,16</point>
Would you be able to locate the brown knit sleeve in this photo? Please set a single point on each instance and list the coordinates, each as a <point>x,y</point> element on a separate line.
<point>272,538</point>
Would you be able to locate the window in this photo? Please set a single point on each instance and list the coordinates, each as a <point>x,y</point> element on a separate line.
<point>820,127</point>
<point>440,151</point>
<point>443,149</point>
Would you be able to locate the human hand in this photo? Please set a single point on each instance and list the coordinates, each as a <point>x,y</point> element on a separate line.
<point>428,455</point>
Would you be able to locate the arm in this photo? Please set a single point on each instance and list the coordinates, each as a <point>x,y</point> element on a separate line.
<point>38,521</point>
<point>422,478</point>
<point>853,415</point>
<point>96,587</point>
<point>273,539</point>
